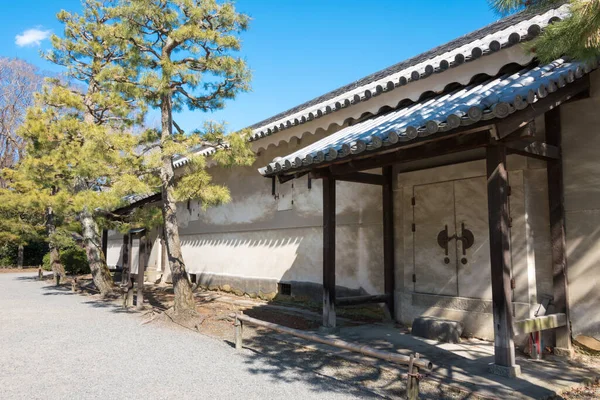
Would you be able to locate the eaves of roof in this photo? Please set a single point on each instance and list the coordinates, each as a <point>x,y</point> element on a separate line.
<point>504,33</point>
<point>137,200</point>
<point>183,160</point>
<point>496,97</point>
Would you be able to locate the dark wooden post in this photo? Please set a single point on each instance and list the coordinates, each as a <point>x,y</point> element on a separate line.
<point>557,234</point>
<point>500,259</point>
<point>140,275</point>
<point>412,381</point>
<point>126,283</point>
<point>20,256</point>
<point>104,242</point>
<point>388,237</point>
<point>125,260</point>
<point>328,252</point>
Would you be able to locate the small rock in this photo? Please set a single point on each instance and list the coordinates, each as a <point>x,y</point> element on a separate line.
<point>443,330</point>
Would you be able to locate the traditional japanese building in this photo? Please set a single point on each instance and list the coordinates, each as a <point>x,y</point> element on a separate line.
<point>463,183</point>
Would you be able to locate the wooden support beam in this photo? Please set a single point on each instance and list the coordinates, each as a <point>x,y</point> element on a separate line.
<point>525,133</point>
<point>329,318</point>
<point>439,147</point>
<point>356,177</point>
<point>519,119</point>
<point>539,324</point>
<point>500,257</point>
<point>539,150</point>
<point>129,208</point>
<point>356,300</point>
<point>557,231</point>
<point>389,277</point>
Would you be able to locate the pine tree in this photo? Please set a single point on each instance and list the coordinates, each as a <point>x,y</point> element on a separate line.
<point>80,148</point>
<point>27,209</point>
<point>577,36</point>
<point>185,53</point>
<point>21,222</point>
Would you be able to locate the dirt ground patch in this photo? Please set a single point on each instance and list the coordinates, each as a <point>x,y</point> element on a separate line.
<point>591,392</point>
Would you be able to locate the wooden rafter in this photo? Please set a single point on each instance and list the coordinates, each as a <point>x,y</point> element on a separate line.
<point>540,150</point>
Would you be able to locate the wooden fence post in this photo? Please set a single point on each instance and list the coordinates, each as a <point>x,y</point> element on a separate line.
<point>412,381</point>
<point>239,331</point>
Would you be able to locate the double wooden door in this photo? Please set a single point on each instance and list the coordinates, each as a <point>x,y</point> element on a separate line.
<point>451,239</point>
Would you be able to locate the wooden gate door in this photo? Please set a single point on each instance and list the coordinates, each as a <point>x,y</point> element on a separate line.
<point>473,259</point>
<point>435,267</point>
<point>451,239</point>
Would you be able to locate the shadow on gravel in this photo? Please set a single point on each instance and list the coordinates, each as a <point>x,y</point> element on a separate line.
<point>321,371</point>
<point>53,290</point>
<point>30,278</point>
<point>109,305</point>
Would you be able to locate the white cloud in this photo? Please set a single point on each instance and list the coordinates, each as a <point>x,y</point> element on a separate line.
<point>32,37</point>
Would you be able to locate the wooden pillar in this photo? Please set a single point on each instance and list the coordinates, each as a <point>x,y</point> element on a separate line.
<point>125,267</point>
<point>328,252</point>
<point>20,255</point>
<point>388,237</point>
<point>563,344</point>
<point>126,281</point>
<point>142,259</point>
<point>105,242</point>
<point>500,260</point>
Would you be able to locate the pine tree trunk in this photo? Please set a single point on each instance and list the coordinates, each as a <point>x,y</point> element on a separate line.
<point>92,244</point>
<point>57,268</point>
<point>184,298</point>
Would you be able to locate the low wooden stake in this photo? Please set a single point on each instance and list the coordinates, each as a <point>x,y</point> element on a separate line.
<point>239,331</point>
<point>412,381</point>
<point>40,274</point>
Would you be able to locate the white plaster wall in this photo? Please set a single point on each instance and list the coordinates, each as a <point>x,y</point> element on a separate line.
<point>249,237</point>
<point>113,249</point>
<point>581,149</point>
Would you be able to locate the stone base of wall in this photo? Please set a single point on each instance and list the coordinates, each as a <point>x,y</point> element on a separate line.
<point>268,289</point>
<point>474,314</point>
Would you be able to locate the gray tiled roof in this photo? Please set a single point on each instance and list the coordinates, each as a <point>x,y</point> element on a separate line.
<point>205,151</point>
<point>501,34</point>
<point>496,97</point>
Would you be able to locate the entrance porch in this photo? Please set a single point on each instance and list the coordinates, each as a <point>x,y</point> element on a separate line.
<point>461,231</point>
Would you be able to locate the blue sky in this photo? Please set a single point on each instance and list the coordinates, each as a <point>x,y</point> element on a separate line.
<point>297,49</point>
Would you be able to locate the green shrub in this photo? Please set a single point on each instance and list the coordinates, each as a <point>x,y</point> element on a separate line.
<point>73,258</point>
<point>46,262</point>
<point>8,254</point>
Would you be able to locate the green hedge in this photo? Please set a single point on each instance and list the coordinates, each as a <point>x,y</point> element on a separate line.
<point>74,260</point>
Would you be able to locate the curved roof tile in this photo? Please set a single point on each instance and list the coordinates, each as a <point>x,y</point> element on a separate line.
<point>496,97</point>
<point>504,33</point>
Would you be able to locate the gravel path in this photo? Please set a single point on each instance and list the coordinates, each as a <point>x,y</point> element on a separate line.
<point>59,345</point>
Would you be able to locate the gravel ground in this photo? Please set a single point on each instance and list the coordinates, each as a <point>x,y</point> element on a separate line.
<point>61,345</point>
